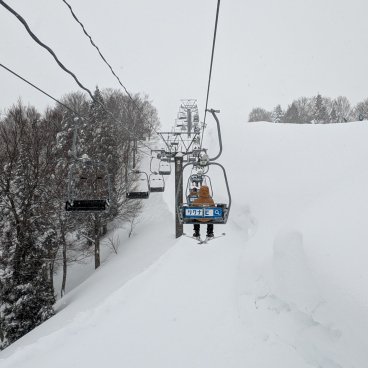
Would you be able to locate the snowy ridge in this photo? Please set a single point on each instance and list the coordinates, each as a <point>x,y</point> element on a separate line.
<point>286,287</point>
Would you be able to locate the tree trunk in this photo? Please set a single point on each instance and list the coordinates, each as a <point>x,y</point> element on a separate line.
<point>63,284</point>
<point>127,162</point>
<point>97,241</point>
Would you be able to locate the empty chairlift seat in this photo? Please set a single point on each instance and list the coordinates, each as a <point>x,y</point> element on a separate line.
<point>164,168</point>
<point>157,183</point>
<point>88,187</point>
<point>138,187</point>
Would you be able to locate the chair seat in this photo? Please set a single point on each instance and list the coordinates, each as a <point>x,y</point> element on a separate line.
<point>137,195</point>
<point>83,205</point>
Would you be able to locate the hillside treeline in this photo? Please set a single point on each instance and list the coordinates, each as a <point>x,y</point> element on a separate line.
<point>37,236</point>
<point>317,109</point>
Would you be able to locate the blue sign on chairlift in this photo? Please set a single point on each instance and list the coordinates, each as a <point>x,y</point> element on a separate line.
<point>203,212</point>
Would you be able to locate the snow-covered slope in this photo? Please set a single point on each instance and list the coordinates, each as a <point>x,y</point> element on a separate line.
<point>286,287</point>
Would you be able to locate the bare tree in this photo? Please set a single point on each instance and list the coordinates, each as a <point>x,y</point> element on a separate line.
<point>259,114</point>
<point>343,109</point>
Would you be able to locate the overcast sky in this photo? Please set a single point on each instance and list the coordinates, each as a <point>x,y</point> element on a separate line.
<point>267,52</point>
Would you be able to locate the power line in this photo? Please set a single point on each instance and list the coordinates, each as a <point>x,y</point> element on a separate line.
<point>48,95</point>
<point>96,47</point>
<point>211,64</point>
<point>35,38</point>
<point>106,62</point>
<point>39,89</point>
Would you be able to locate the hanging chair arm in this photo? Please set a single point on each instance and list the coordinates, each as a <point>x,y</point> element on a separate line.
<point>213,112</point>
<point>226,182</point>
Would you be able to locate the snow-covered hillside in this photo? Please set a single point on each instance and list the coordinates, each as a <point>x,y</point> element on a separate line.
<point>286,287</point>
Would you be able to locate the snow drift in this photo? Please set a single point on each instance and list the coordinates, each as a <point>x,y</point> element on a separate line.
<point>286,287</point>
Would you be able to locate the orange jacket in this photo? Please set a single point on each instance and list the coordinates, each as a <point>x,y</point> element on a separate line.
<point>204,199</point>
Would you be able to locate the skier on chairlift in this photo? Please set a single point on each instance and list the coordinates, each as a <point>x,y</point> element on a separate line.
<point>204,199</point>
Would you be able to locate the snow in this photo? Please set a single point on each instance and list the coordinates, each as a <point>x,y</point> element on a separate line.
<point>286,286</point>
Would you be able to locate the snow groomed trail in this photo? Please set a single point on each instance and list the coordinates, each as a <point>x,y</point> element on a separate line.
<point>286,287</point>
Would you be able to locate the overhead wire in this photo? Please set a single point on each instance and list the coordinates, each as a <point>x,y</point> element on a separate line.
<point>39,89</point>
<point>48,95</point>
<point>96,47</point>
<point>106,62</point>
<point>37,40</point>
<point>210,72</point>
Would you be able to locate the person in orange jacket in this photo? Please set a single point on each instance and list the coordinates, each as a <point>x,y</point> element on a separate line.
<point>204,199</point>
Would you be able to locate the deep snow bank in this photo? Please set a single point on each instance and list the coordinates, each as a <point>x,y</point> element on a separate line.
<point>285,288</point>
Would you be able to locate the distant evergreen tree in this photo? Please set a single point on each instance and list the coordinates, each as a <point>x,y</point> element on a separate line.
<point>292,114</point>
<point>333,115</point>
<point>361,110</point>
<point>320,112</point>
<point>259,114</point>
<point>278,114</point>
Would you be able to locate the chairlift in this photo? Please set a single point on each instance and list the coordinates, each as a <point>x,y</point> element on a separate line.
<point>138,188</point>
<point>89,187</point>
<point>156,183</point>
<point>164,168</point>
<point>182,115</point>
<point>215,214</point>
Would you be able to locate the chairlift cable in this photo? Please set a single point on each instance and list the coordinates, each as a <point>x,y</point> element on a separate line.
<point>210,72</point>
<point>107,63</point>
<point>39,89</point>
<point>37,40</point>
<point>48,95</point>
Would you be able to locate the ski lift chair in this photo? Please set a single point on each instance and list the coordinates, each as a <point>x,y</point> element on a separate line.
<point>164,168</point>
<point>216,214</point>
<point>156,183</point>
<point>137,192</point>
<point>182,115</point>
<point>89,187</point>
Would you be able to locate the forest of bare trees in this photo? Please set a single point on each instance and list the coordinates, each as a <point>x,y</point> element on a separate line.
<point>38,237</point>
<point>317,110</point>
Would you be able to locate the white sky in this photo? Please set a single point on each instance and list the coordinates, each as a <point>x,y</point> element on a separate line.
<point>267,52</point>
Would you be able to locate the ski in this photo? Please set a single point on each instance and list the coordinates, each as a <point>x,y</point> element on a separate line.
<point>206,240</point>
